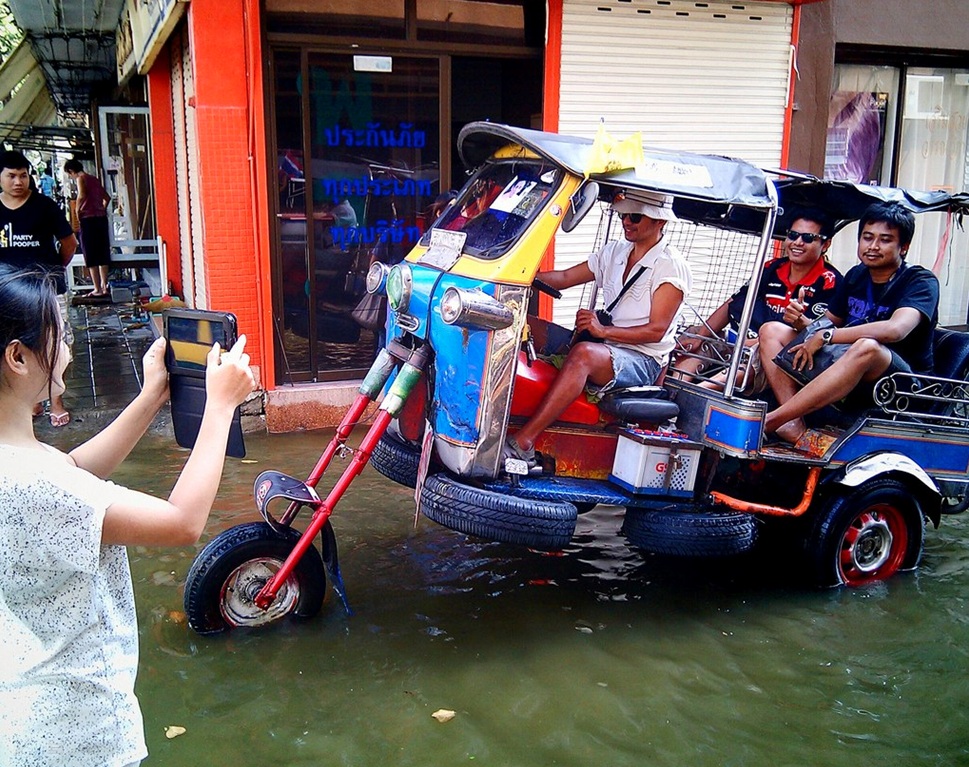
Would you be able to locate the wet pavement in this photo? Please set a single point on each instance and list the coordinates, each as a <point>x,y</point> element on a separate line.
<point>105,374</point>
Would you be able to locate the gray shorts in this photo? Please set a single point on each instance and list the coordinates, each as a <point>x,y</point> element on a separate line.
<point>630,368</point>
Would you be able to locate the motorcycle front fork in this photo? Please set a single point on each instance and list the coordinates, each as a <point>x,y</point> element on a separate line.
<point>408,376</point>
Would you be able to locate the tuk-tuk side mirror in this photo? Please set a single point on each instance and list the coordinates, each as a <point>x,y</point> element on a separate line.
<point>580,203</point>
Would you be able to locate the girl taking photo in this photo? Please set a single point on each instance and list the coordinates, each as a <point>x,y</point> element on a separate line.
<point>70,634</point>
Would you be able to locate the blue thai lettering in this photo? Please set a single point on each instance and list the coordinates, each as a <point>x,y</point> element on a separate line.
<point>389,138</point>
<point>333,135</point>
<point>373,137</point>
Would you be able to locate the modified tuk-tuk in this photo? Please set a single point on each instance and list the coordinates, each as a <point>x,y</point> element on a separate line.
<point>688,461</point>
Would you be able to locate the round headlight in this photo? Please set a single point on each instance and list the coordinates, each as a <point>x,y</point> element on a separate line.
<point>376,277</point>
<point>399,281</point>
<point>451,305</point>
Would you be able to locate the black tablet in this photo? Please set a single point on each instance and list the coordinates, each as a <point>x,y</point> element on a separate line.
<point>189,335</point>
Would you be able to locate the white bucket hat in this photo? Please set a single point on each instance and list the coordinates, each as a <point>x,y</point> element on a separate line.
<point>651,204</point>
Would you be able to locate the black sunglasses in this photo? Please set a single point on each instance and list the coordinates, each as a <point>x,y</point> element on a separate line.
<point>634,218</point>
<point>806,237</point>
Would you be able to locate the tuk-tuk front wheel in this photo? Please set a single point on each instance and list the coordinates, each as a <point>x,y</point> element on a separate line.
<point>866,534</point>
<point>231,570</point>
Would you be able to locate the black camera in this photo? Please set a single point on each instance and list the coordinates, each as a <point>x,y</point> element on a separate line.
<point>605,319</point>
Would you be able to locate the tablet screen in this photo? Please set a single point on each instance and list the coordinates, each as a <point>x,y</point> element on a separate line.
<point>189,341</point>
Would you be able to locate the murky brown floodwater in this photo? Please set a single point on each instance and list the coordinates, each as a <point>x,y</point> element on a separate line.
<point>599,657</point>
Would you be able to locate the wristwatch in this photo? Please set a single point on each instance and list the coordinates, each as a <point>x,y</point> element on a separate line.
<point>826,335</point>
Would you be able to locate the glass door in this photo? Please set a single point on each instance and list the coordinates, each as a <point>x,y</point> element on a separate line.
<point>126,174</point>
<point>358,148</point>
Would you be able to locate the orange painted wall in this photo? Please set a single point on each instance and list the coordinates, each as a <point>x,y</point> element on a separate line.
<point>220,44</point>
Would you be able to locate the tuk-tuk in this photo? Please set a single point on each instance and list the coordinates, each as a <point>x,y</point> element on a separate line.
<point>687,461</point>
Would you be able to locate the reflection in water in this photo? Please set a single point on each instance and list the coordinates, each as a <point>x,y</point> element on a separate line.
<point>599,656</point>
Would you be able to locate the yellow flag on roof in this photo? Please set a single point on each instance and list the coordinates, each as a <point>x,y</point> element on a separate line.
<point>608,154</point>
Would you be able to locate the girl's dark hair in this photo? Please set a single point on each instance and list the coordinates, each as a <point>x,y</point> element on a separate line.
<point>73,166</point>
<point>894,215</point>
<point>29,313</point>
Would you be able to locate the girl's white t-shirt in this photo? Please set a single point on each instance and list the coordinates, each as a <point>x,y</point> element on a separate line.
<point>67,612</point>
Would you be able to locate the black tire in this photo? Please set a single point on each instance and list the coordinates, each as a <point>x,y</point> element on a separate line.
<point>253,551</point>
<point>865,534</point>
<point>690,533</point>
<point>544,525</point>
<point>396,460</point>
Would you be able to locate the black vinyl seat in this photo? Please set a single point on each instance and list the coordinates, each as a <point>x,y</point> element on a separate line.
<point>640,404</point>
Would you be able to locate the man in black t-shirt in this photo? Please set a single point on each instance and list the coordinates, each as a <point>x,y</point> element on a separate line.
<point>34,233</point>
<point>885,309</point>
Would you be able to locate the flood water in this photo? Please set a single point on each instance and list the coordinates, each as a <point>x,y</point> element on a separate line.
<point>602,656</point>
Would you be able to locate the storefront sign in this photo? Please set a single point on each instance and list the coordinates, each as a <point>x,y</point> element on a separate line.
<point>143,29</point>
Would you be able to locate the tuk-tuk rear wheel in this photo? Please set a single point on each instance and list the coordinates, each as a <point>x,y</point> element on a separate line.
<point>234,566</point>
<point>866,534</point>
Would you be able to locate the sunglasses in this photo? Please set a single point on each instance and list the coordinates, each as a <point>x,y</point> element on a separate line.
<point>634,218</point>
<point>806,237</point>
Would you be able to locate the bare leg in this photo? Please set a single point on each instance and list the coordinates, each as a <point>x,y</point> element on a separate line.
<point>774,336</point>
<point>104,278</point>
<point>586,362</point>
<point>95,272</point>
<point>866,360</point>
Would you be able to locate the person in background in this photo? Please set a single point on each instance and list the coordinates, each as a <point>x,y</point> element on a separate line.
<point>92,214</point>
<point>70,633</point>
<point>32,231</point>
<point>47,184</point>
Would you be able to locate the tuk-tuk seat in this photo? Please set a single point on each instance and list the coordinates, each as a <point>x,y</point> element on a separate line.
<point>950,350</point>
<point>640,405</point>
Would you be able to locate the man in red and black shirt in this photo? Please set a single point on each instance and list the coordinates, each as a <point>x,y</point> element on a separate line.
<point>794,289</point>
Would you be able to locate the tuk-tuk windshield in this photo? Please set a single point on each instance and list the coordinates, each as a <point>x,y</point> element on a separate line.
<point>498,205</point>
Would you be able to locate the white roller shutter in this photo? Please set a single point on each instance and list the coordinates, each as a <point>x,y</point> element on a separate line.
<point>187,173</point>
<point>698,76</point>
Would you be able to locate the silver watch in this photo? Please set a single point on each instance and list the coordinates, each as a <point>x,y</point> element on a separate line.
<point>827,335</point>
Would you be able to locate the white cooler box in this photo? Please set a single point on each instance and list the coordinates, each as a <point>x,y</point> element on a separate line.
<point>656,463</point>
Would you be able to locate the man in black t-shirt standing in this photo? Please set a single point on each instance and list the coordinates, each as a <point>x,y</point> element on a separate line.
<point>31,228</point>
<point>885,309</point>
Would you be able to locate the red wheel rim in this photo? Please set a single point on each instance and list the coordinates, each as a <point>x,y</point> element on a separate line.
<point>874,545</point>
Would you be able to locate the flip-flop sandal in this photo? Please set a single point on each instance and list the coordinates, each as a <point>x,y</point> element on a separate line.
<point>61,419</point>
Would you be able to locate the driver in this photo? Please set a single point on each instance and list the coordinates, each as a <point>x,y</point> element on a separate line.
<point>635,348</point>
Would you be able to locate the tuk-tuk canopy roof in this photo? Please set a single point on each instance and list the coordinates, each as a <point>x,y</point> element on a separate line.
<point>846,202</point>
<point>683,174</point>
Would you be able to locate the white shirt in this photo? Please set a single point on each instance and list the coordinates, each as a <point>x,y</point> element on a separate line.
<point>664,263</point>
<point>67,620</point>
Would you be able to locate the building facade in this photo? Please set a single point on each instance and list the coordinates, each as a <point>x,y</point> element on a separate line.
<point>295,142</point>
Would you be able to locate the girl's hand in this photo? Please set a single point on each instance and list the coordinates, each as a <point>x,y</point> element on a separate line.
<point>228,378</point>
<point>155,372</point>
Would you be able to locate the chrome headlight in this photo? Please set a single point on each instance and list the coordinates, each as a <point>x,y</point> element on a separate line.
<point>400,284</point>
<point>474,309</point>
<point>377,277</point>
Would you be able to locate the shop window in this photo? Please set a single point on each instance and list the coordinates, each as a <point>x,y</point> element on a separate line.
<point>357,193</point>
<point>474,21</point>
<point>350,18</point>
<point>907,127</point>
